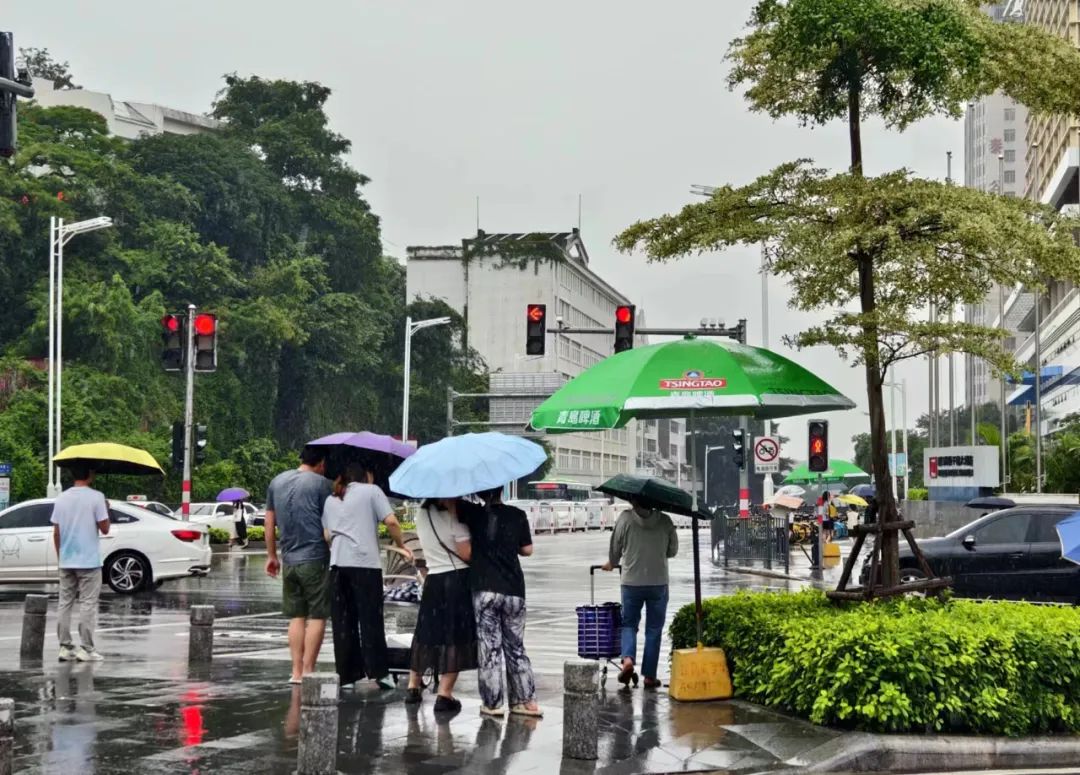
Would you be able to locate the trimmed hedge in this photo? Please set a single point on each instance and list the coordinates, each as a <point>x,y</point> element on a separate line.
<point>912,665</point>
<point>918,494</point>
<point>258,533</point>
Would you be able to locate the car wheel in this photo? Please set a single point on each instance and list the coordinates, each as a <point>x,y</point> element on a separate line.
<point>127,573</point>
<point>908,575</point>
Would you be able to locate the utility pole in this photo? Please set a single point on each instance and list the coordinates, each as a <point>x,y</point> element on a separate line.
<point>189,412</point>
<point>1038,347</point>
<point>767,481</point>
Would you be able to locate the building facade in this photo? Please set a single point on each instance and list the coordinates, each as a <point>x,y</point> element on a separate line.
<point>1052,177</point>
<point>490,279</point>
<point>129,120</point>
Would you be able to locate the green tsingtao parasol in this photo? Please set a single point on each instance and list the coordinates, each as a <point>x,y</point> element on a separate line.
<point>838,471</point>
<point>686,378</point>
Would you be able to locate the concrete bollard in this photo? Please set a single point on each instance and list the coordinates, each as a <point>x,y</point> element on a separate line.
<point>7,734</point>
<point>201,639</point>
<point>33,626</point>
<point>317,748</point>
<point>581,710</point>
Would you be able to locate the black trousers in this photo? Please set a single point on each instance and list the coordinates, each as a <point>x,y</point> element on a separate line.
<point>357,615</point>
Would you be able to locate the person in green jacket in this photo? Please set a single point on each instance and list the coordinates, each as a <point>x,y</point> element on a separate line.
<point>642,543</point>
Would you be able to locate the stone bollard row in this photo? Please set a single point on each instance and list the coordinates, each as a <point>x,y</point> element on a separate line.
<point>201,638</point>
<point>33,626</point>
<point>317,748</point>
<point>7,735</point>
<point>581,710</point>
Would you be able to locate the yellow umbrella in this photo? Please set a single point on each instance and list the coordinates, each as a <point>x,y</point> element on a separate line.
<point>108,458</point>
<point>852,500</point>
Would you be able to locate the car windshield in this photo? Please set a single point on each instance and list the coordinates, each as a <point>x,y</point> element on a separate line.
<point>202,509</point>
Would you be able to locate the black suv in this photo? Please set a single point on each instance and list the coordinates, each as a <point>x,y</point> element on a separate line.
<point>1013,554</point>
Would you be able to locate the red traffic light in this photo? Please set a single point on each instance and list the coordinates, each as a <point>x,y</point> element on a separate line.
<point>817,446</point>
<point>171,323</point>
<point>205,324</point>
<point>536,312</point>
<point>624,314</point>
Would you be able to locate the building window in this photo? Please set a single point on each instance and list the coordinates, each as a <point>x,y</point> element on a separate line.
<point>1010,114</point>
<point>1010,176</point>
<point>674,454</point>
<point>1010,155</point>
<point>1010,135</point>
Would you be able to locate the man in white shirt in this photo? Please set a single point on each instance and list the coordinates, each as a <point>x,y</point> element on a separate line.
<point>80,514</point>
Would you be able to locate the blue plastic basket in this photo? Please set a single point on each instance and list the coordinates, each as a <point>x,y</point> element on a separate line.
<point>598,635</point>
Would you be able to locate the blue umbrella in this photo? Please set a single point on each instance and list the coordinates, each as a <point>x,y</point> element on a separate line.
<point>1068,531</point>
<point>864,490</point>
<point>462,465</point>
<point>233,495</point>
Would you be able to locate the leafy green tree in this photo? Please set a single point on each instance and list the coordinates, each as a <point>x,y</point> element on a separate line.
<point>872,252</point>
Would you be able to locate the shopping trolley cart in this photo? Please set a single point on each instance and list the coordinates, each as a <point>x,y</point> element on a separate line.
<point>599,630</point>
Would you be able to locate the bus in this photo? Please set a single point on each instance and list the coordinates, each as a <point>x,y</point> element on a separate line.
<point>561,490</point>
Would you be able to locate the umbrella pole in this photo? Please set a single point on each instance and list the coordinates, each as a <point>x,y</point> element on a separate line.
<point>694,530</point>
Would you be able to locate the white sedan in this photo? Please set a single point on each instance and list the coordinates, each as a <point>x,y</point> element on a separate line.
<point>142,548</point>
<point>219,515</point>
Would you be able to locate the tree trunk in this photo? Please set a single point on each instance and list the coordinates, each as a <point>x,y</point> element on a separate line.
<point>887,511</point>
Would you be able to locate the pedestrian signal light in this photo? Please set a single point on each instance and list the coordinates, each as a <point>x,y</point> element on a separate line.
<point>535,329</point>
<point>738,445</point>
<point>624,327</point>
<point>205,342</point>
<point>173,341</point>
<point>818,457</point>
<point>200,444</point>
<point>177,446</point>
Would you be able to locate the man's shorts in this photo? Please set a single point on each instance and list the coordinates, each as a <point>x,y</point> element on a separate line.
<point>305,590</point>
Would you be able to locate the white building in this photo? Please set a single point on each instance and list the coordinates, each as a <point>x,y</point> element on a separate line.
<point>490,279</point>
<point>995,160</point>
<point>129,120</point>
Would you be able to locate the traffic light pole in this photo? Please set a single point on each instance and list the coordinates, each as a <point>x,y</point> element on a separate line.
<point>189,413</point>
<point>744,471</point>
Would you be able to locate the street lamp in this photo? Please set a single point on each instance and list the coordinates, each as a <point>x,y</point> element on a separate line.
<point>708,449</point>
<point>902,387</point>
<point>60,234</point>
<point>410,329</point>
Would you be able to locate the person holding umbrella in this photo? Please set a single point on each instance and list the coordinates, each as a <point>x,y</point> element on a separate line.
<point>643,541</point>
<point>236,497</point>
<point>351,519</point>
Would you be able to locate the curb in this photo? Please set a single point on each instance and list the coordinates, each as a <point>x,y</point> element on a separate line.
<point>772,574</point>
<point>861,752</point>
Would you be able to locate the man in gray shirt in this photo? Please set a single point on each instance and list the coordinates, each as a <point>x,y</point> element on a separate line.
<point>294,505</point>
<point>643,541</point>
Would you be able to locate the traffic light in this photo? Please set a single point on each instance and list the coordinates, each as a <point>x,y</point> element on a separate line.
<point>177,446</point>
<point>624,327</point>
<point>535,329</point>
<point>7,99</point>
<point>205,342</point>
<point>818,457</point>
<point>738,445</point>
<point>173,336</point>
<point>200,444</point>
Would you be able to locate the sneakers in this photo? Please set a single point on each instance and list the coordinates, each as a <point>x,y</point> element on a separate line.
<point>493,712</point>
<point>67,654</point>
<point>83,655</point>
<point>447,705</point>
<point>386,683</point>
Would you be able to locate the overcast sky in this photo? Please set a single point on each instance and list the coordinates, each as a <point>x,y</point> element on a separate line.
<point>524,105</point>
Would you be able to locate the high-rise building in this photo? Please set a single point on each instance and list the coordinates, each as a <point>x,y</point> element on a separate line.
<point>1053,177</point>
<point>490,279</point>
<point>995,161</point>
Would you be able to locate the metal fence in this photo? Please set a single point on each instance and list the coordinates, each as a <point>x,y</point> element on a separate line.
<point>757,538</point>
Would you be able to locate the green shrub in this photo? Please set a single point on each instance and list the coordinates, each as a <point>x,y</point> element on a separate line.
<point>219,536</point>
<point>917,494</point>
<point>407,527</point>
<point>256,533</point>
<point>910,665</point>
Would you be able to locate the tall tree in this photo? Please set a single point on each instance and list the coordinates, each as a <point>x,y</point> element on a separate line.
<point>881,248</point>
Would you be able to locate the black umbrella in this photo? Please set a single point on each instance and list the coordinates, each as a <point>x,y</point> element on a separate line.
<point>654,493</point>
<point>991,502</point>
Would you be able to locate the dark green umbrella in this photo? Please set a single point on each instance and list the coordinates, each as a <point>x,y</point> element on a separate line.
<point>654,493</point>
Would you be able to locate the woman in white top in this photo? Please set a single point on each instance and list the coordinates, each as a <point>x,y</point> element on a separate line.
<point>351,518</point>
<point>445,636</point>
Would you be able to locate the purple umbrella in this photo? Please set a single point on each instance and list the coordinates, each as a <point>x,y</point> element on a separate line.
<point>366,440</point>
<point>233,495</point>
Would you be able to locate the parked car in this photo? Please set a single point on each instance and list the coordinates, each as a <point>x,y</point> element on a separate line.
<point>1013,554</point>
<point>155,506</point>
<point>220,515</point>
<point>142,548</point>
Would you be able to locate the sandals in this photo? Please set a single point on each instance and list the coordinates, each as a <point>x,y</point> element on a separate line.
<point>522,710</point>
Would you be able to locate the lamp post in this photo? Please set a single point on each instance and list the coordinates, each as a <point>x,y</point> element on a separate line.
<point>902,387</point>
<point>410,329</point>
<point>708,449</point>
<point>60,234</point>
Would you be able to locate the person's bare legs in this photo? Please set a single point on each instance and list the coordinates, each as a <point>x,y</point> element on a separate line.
<point>414,679</point>
<point>446,685</point>
<point>313,639</point>
<point>296,646</point>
